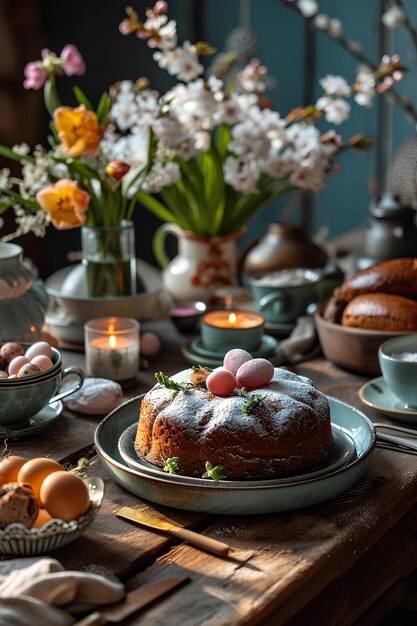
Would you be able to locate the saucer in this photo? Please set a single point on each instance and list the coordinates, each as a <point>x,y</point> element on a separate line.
<point>35,424</point>
<point>196,353</point>
<point>375,393</point>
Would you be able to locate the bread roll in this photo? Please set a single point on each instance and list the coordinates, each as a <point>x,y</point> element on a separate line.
<point>380,311</point>
<point>398,276</point>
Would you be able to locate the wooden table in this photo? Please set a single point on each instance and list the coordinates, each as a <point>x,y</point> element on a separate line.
<point>328,564</point>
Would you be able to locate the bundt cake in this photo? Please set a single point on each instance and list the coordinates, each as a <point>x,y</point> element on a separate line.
<point>272,432</point>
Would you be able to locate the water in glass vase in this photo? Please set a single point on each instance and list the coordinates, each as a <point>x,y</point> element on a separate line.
<point>110,260</point>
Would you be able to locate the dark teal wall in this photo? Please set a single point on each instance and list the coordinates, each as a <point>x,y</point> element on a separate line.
<point>342,205</point>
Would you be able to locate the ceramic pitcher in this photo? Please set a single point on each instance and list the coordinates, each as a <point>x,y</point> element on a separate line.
<point>202,264</point>
<point>23,300</point>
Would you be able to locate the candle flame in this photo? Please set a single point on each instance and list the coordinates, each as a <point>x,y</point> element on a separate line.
<point>33,329</point>
<point>232,319</point>
<point>112,341</point>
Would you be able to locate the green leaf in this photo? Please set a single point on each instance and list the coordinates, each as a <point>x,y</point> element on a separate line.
<point>31,204</point>
<point>153,205</point>
<point>172,465</point>
<point>82,98</point>
<point>10,154</point>
<point>215,473</point>
<point>50,94</point>
<point>103,108</point>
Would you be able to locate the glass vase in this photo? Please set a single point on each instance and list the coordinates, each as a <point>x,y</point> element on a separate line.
<point>109,258</point>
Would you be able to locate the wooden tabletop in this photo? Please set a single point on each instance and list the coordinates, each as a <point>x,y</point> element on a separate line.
<point>335,561</point>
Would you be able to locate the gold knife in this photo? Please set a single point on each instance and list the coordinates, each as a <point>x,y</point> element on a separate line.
<point>133,601</point>
<point>207,543</point>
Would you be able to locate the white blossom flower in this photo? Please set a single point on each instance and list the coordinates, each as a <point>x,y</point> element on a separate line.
<point>21,149</point>
<point>242,175</point>
<point>161,175</point>
<point>335,27</point>
<point>394,17</point>
<point>4,179</point>
<point>308,8</point>
<point>181,62</point>
<point>125,110</point>
<point>364,88</point>
<point>335,85</point>
<point>335,110</point>
<point>322,21</point>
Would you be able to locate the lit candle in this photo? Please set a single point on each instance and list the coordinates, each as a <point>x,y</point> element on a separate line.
<point>112,348</point>
<point>224,330</point>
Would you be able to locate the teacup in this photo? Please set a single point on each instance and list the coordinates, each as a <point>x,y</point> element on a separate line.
<point>398,362</point>
<point>283,296</point>
<point>21,398</point>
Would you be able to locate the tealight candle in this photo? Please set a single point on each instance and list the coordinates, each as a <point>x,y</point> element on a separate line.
<point>224,330</point>
<point>112,348</point>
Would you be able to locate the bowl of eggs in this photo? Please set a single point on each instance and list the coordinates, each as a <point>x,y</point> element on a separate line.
<point>30,375</point>
<point>42,506</point>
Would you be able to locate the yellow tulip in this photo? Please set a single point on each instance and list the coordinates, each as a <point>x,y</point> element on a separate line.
<point>78,130</point>
<point>65,202</point>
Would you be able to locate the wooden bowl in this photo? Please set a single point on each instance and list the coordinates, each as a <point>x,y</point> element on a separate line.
<point>354,349</point>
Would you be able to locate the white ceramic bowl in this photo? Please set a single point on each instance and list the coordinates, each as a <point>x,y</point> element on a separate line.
<point>17,540</point>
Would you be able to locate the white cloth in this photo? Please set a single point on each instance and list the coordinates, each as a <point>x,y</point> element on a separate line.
<point>40,592</point>
<point>97,396</point>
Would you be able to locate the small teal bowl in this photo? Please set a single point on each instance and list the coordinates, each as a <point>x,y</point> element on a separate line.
<point>399,369</point>
<point>220,339</point>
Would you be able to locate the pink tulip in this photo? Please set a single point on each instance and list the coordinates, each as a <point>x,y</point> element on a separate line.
<point>35,76</point>
<point>73,63</point>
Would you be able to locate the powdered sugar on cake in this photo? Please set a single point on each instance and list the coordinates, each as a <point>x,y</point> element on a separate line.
<point>289,430</point>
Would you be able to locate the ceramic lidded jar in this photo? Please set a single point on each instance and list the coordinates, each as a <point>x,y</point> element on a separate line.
<point>391,231</point>
<point>283,246</point>
<point>23,301</point>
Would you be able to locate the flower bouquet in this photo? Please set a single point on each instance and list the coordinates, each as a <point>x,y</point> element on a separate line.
<point>204,156</point>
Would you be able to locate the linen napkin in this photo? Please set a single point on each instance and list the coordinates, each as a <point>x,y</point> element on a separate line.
<point>40,592</point>
<point>301,345</point>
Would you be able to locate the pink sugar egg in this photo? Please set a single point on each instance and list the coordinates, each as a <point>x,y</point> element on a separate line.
<point>28,370</point>
<point>11,349</point>
<point>149,344</point>
<point>40,347</point>
<point>221,382</point>
<point>16,363</point>
<point>3,374</point>
<point>43,362</point>
<point>255,374</point>
<point>235,358</point>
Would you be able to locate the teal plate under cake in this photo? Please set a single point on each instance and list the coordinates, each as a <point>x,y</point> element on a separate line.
<point>238,497</point>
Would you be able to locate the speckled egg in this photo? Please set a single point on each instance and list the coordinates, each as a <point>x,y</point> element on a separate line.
<point>11,349</point>
<point>30,369</point>
<point>40,347</point>
<point>43,362</point>
<point>16,364</point>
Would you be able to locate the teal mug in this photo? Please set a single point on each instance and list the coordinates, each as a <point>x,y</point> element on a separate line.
<point>281,297</point>
<point>398,362</point>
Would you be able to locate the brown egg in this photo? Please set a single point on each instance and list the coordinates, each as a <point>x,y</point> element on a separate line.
<point>65,496</point>
<point>30,369</point>
<point>43,517</point>
<point>11,349</point>
<point>10,467</point>
<point>35,471</point>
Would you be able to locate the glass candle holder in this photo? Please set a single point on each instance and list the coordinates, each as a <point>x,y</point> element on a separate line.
<point>112,348</point>
<point>224,330</point>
